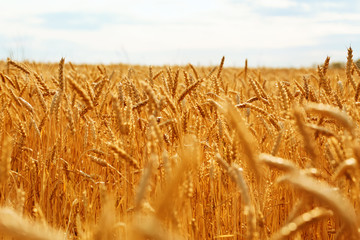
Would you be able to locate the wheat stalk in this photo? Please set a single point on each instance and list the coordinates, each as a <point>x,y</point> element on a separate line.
<point>243,135</point>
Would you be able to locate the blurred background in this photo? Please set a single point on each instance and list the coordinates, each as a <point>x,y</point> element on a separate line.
<point>276,33</point>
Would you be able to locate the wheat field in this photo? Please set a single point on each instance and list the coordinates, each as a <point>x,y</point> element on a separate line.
<point>179,152</point>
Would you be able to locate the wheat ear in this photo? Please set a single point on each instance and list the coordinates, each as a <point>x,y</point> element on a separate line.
<point>82,93</point>
<point>349,64</point>
<point>61,74</point>
<point>122,154</point>
<point>18,66</point>
<point>188,90</point>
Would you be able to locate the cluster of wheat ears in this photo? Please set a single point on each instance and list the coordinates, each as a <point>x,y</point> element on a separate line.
<point>180,152</point>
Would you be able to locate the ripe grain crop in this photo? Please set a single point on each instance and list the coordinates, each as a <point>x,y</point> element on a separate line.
<point>179,152</point>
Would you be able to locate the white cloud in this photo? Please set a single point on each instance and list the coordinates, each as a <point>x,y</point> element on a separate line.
<point>174,29</point>
<point>275,3</point>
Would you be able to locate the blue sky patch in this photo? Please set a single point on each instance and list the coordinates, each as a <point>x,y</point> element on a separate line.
<point>74,20</point>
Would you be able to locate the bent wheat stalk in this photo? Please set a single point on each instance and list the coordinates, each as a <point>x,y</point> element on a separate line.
<point>277,162</point>
<point>302,221</point>
<point>328,111</point>
<point>326,195</point>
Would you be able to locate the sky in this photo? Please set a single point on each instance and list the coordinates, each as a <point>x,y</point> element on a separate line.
<point>271,33</point>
